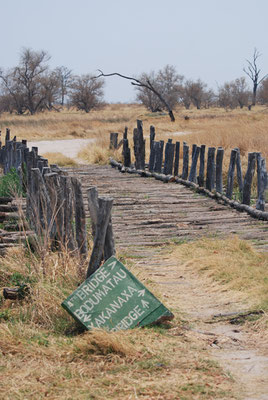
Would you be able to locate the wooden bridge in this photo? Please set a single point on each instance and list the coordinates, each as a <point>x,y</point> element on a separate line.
<point>149,213</point>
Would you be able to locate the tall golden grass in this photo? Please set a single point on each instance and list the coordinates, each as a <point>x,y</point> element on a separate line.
<point>60,159</point>
<point>213,127</point>
<point>232,262</point>
<point>241,128</point>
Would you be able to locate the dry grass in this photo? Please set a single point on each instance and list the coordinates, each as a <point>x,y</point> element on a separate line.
<point>44,355</point>
<point>232,262</point>
<point>236,128</point>
<point>213,127</point>
<point>99,152</point>
<point>60,159</point>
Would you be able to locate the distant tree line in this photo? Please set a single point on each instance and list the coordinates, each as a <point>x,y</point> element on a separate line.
<point>32,86</point>
<point>178,90</point>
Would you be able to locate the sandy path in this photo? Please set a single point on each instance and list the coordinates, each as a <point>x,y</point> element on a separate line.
<point>69,148</point>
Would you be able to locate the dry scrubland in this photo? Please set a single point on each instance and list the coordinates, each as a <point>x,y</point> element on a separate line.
<point>237,128</point>
<point>43,353</point>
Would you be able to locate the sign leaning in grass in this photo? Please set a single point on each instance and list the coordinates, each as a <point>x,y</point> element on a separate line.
<point>113,298</point>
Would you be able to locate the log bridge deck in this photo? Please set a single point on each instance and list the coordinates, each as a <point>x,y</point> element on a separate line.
<point>149,213</point>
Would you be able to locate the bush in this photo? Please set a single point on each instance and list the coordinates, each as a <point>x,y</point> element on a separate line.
<point>10,184</point>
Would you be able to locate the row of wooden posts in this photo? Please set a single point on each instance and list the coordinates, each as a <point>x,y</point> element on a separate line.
<point>55,208</point>
<point>165,159</point>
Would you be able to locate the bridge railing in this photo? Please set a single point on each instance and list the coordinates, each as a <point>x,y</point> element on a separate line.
<point>55,208</point>
<point>201,170</point>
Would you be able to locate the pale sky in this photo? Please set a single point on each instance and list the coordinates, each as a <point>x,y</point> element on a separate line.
<point>206,39</point>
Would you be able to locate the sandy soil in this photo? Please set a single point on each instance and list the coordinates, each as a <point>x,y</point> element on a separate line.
<point>69,148</point>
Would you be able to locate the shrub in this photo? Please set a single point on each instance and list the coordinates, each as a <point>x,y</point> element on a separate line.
<point>10,184</point>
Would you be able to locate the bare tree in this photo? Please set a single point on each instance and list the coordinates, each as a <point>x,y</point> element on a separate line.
<point>13,94</point>
<point>195,92</point>
<point>143,84</point>
<point>148,98</point>
<point>51,89</point>
<point>167,82</point>
<point>263,92</point>
<point>225,96</point>
<point>240,91</point>
<point>86,92</point>
<point>209,98</point>
<point>253,72</point>
<point>65,78</point>
<point>233,94</point>
<point>28,74</point>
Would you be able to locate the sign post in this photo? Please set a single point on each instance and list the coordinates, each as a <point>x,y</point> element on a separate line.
<point>113,298</point>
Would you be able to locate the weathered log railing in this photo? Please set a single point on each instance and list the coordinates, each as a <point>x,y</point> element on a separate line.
<point>209,178</point>
<point>54,204</point>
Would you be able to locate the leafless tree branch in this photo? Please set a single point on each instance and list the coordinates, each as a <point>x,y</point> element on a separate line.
<point>137,82</point>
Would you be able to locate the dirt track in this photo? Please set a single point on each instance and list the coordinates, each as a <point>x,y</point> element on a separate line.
<point>70,148</point>
<point>147,215</point>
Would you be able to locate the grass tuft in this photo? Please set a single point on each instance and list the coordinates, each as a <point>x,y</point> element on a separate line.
<point>60,159</point>
<point>232,262</point>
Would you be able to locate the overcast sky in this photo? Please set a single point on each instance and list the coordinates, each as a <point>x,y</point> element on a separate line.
<point>207,39</point>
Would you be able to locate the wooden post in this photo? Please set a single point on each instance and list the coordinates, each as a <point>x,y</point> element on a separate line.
<point>169,158</point>
<point>42,204</point>
<point>35,156</point>
<point>57,206</point>
<point>260,205</point>
<point>177,159</point>
<point>68,195</point>
<point>185,166</point>
<point>18,158</point>
<point>46,170</point>
<point>126,153</point>
<point>125,133</point>
<point>80,218</point>
<point>152,135</point>
<point>248,179</point>
<point>29,166</point>
<point>104,215</point>
<point>201,176</point>
<point>7,139</point>
<point>33,200</point>
<point>93,206</point>
<point>139,146</point>
<point>239,171</point>
<point>192,175</point>
<point>219,160</point>
<point>230,177</point>
<point>152,156</point>
<point>194,146</point>
<point>210,180</point>
<point>40,164</point>
<point>159,146</point>
<point>258,164</point>
<point>51,181</point>
<point>113,140</point>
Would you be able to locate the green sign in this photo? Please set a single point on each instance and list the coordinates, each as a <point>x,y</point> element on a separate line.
<point>112,298</point>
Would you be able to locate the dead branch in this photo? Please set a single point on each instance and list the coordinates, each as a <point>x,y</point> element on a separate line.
<point>148,85</point>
